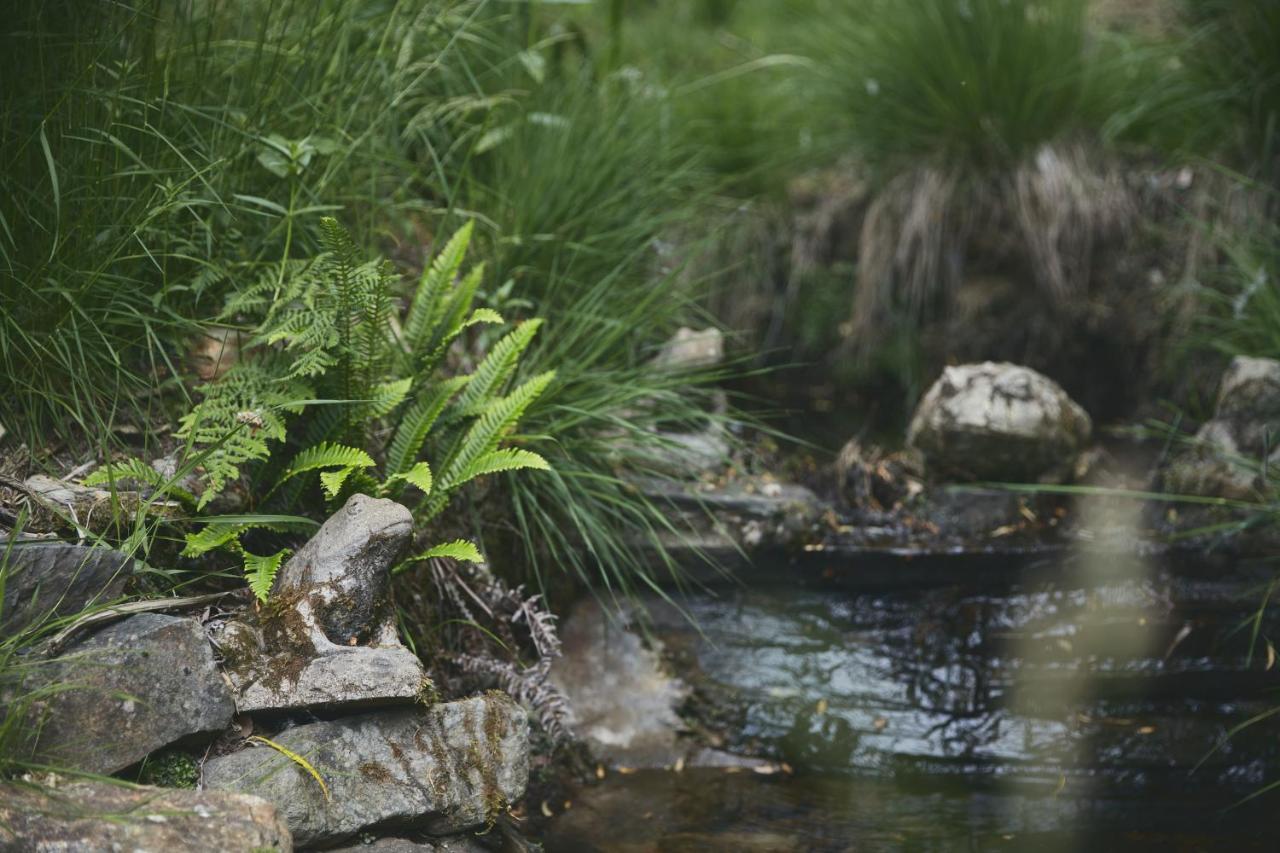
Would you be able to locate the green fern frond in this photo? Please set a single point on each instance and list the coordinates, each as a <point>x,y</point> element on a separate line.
<point>458,549</point>
<point>505,459</point>
<point>483,436</point>
<point>419,475</point>
<point>453,324</point>
<point>484,315</point>
<point>239,414</point>
<point>327,455</point>
<point>418,421</point>
<point>497,366</point>
<point>428,302</point>
<point>331,481</point>
<point>386,396</point>
<point>260,572</point>
<point>125,469</point>
<point>214,535</point>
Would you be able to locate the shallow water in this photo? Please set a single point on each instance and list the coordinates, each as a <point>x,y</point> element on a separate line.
<point>1058,705</point>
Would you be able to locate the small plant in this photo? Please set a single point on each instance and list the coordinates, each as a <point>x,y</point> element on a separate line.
<point>330,323</point>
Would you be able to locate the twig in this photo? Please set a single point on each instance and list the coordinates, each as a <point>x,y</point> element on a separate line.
<point>132,607</point>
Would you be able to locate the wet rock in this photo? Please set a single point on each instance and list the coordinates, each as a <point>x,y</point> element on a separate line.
<point>454,844</point>
<point>51,579</point>
<point>688,455</point>
<point>99,816</point>
<point>998,421</point>
<point>126,691</point>
<point>623,702</point>
<point>1232,449</point>
<point>329,640</point>
<point>440,770</point>
<point>736,520</point>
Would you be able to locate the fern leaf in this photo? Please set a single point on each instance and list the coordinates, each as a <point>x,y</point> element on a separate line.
<point>328,455</point>
<point>506,459</point>
<point>331,481</point>
<point>387,395</point>
<point>458,549</point>
<point>213,536</point>
<point>497,366</point>
<point>125,469</point>
<point>419,475</point>
<point>482,438</point>
<point>484,315</point>
<point>260,572</point>
<point>417,423</point>
<point>428,300</point>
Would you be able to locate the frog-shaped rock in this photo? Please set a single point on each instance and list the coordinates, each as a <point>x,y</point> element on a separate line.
<point>327,638</point>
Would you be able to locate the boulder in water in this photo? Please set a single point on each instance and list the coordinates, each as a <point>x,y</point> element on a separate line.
<point>998,422</point>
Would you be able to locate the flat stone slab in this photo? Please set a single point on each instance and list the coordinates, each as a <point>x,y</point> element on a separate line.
<point>439,770</point>
<point>99,816</point>
<point>135,686</point>
<point>453,844</point>
<point>52,579</point>
<point>361,677</point>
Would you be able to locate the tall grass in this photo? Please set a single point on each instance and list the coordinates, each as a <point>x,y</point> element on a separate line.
<point>981,83</point>
<point>145,143</point>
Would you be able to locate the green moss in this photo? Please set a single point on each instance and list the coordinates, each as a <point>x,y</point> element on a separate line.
<point>170,769</point>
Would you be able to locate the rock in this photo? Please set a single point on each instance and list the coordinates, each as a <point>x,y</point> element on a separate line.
<point>1230,449</point>
<point>690,349</point>
<point>51,579</point>
<point>330,639</point>
<point>1248,406</point>
<point>99,816</point>
<point>455,844</point>
<point>623,702</point>
<point>998,421</point>
<point>126,691</point>
<point>688,455</point>
<point>440,770</point>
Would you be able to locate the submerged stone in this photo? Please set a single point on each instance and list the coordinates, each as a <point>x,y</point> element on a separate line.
<point>126,691</point>
<point>84,815</point>
<point>440,770</point>
<point>328,637</point>
<point>1000,422</point>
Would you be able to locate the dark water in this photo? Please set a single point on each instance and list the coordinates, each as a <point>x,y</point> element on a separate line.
<point>1062,706</point>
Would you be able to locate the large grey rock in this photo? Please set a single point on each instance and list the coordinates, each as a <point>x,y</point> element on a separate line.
<point>440,770</point>
<point>51,579</point>
<point>126,691</point>
<point>329,639</point>
<point>1231,449</point>
<point>998,421</point>
<point>99,816</point>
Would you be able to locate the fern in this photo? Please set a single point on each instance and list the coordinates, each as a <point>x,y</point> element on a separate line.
<point>237,417</point>
<point>419,475</point>
<point>483,437</point>
<point>507,459</point>
<point>328,455</point>
<point>132,468</point>
<point>428,302</point>
<point>458,549</point>
<point>418,421</point>
<point>260,572</point>
<point>498,366</point>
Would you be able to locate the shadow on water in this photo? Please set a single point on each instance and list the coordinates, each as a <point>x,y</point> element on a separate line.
<point>1063,708</point>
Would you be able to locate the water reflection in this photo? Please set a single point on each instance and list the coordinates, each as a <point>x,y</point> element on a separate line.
<point>1066,705</point>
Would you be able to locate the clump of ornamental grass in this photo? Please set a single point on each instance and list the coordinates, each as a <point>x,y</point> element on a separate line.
<point>974,120</point>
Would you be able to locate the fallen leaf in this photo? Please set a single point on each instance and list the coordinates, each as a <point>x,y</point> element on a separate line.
<point>880,723</point>
<point>1146,730</point>
<point>546,810</point>
<point>821,707</point>
<point>1271,655</point>
<point>679,768</point>
<point>599,771</point>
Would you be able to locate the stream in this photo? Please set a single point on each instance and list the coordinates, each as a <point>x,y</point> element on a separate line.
<point>1050,703</point>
